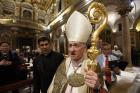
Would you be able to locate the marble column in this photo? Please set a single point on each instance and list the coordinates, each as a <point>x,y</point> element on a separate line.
<point>126,40</point>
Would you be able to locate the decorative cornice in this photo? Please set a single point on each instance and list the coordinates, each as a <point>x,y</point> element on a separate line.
<point>124,10</point>
<point>124,7</point>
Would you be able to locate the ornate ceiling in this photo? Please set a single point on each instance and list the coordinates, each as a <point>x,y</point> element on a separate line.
<point>26,13</point>
<point>45,12</point>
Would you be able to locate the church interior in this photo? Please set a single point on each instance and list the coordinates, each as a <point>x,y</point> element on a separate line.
<point>22,22</point>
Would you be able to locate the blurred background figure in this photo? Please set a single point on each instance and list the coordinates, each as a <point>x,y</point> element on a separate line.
<point>134,56</point>
<point>9,66</point>
<point>116,52</point>
<point>108,65</point>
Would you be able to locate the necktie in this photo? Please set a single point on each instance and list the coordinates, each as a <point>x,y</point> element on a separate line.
<point>107,73</point>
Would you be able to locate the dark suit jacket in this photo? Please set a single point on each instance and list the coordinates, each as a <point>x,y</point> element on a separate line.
<point>9,73</point>
<point>44,68</point>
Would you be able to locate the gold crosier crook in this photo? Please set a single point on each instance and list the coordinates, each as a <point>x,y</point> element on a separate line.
<point>97,15</point>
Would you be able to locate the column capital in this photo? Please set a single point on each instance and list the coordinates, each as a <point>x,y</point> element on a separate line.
<point>124,10</point>
<point>133,30</point>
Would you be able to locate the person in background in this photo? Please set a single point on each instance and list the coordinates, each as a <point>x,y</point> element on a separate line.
<point>9,65</point>
<point>116,52</point>
<point>134,56</point>
<point>45,65</point>
<point>78,30</point>
<point>108,65</point>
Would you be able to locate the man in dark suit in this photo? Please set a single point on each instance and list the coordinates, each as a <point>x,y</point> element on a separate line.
<point>9,65</point>
<point>45,65</point>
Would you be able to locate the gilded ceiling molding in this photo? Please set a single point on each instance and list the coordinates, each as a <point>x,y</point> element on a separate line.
<point>8,6</point>
<point>67,3</point>
<point>43,4</point>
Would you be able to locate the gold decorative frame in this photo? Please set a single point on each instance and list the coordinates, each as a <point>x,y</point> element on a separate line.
<point>26,13</point>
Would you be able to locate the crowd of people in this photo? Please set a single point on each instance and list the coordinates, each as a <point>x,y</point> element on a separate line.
<point>54,73</point>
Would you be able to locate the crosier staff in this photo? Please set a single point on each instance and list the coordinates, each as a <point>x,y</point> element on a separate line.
<point>97,15</point>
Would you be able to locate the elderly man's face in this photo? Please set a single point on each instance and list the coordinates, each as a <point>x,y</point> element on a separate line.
<point>76,50</point>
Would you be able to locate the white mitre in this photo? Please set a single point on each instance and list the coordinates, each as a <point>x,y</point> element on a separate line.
<point>78,27</point>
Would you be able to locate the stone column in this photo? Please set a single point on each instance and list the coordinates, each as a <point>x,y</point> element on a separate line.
<point>36,42</point>
<point>126,40</point>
